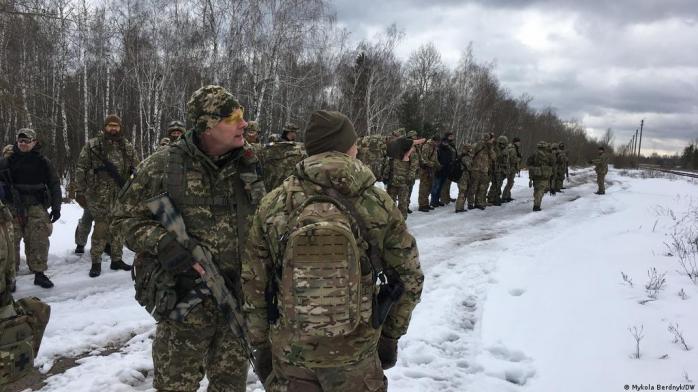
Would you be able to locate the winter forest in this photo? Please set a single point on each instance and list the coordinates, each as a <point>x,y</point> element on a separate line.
<point>65,64</point>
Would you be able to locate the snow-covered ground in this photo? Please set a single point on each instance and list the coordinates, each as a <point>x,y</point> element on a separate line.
<point>513,300</point>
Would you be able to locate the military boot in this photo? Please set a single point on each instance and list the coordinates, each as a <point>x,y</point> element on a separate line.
<point>119,265</point>
<point>79,249</point>
<point>461,210</point>
<point>40,279</point>
<point>96,270</point>
<point>424,209</point>
<point>536,208</point>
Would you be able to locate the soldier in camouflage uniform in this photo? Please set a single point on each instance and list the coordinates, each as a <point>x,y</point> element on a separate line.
<point>601,168</point>
<point>483,157</point>
<point>175,130</point>
<point>448,149</point>
<point>555,179</point>
<point>428,166</point>
<point>278,161</point>
<point>372,153</point>
<point>539,172</point>
<point>290,132</point>
<point>398,169</point>
<point>252,138</point>
<point>465,160</point>
<point>562,166</point>
<point>501,170</point>
<point>211,176</point>
<point>514,153</point>
<point>104,163</point>
<point>414,169</point>
<point>353,359</point>
<point>84,227</point>
<point>37,187</point>
<point>7,257</point>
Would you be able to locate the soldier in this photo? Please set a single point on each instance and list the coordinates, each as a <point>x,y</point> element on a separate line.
<point>563,167</point>
<point>290,132</point>
<point>35,187</point>
<point>414,169</point>
<point>555,180</point>
<point>500,171</point>
<point>428,166</point>
<point>7,260</point>
<point>175,130</point>
<point>514,153</point>
<point>483,156</point>
<point>372,153</point>
<point>447,156</point>
<point>601,169</point>
<point>397,178</point>
<point>465,160</point>
<point>104,165</point>
<point>278,161</point>
<point>312,347</point>
<point>539,172</point>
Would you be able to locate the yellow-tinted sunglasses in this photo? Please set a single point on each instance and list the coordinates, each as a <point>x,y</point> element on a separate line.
<point>235,117</point>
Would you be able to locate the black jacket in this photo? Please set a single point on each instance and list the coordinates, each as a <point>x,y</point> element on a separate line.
<point>33,176</point>
<point>446,155</point>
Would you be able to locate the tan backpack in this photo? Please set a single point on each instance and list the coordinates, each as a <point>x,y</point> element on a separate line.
<point>21,331</point>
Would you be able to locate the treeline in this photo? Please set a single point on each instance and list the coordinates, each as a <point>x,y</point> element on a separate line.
<point>65,64</point>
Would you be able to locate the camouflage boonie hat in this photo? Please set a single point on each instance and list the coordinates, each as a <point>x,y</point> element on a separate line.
<point>27,132</point>
<point>208,105</point>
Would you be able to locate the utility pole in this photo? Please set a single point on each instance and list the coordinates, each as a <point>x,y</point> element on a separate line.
<point>639,145</point>
<point>635,147</point>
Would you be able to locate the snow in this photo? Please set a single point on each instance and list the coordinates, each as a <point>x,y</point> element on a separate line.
<point>513,300</point>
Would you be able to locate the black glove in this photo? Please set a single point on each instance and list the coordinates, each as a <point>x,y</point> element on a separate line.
<point>262,362</point>
<point>387,352</point>
<point>173,256</point>
<point>55,214</point>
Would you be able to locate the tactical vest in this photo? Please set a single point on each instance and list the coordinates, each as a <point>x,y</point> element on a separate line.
<point>22,326</point>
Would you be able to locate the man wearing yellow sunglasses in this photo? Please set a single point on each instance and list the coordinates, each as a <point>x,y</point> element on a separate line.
<point>211,177</point>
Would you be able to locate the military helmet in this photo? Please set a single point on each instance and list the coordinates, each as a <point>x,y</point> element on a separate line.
<point>209,105</point>
<point>502,140</point>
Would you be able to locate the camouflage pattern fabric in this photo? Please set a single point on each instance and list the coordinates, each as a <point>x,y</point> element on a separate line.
<point>466,162</point>
<point>364,376</point>
<point>539,171</point>
<point>84,227</point>
<point>560,169</point>
<point>501,169</point>
<point>209,105</point>
<point>35,231</point>
<point>7,254</point>
<point>555,179</point>
<point>201,344</point>
<point>477,188</point>
<point>100,189</point>
<point>386,228</point>
<point>279,160</point>
<point>372,152</point>
<point>205,196</point>
<point>428,165</point>
<point>514,164</point>
<point>398,178</point>
<point>601,169</point>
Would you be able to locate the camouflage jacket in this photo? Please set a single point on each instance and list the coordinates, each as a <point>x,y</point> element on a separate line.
<point>7,254</point>
<point>501,163</point>
<point>466,162</point>
<point>562,162</point>
<point>539,165</point>
<point>387,229</point>
<point>278,161</point>
<point>372,152</point>
<point>216,198</point>
<point>514,159</point>
<point>95,183</point>
<point>428,158</point>
<point>414,166</point>
<point>397,173</point>
<point>601,163</point>
<point>483,157</point>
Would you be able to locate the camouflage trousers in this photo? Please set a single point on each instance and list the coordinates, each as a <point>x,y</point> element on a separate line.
<point>364,376</point>
<point>494,196</point>
<point>463,192</point>
<point>409,192</point>
<point>539,189</point>
<point>35,230</point>
<point>400,196</point>
<point>478,188</point>
<point>426,180</point>
<point>506,193</point>
<point>82,231</point>
<point>103,235</point>
<point>601,182</point>
<point>559,181</point>
<point>201,344</point>
<point>445,196</point>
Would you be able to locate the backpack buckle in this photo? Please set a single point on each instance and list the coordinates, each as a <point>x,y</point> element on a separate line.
<point>381,279</point>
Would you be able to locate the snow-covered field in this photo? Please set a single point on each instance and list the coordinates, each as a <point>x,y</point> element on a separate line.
<point>513,300</point>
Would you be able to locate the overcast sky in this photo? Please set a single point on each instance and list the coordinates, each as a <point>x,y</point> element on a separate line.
<point>607,63</point>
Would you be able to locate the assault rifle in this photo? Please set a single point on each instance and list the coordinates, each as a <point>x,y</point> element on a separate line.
<point>112,171</point>
<point>161,206</point>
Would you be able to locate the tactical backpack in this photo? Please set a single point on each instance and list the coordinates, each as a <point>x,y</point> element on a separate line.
<point>22,326</point>
<point>279,161</point>
<point>324,293</point>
